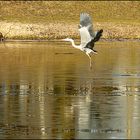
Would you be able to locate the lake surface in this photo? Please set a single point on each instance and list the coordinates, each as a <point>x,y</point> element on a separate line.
<point>47,90</point>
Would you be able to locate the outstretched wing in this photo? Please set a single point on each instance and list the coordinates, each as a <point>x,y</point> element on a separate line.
<point>86,21</point>
<point>85,36</point>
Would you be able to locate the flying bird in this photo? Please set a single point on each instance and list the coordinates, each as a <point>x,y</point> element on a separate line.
<point>88,36</point>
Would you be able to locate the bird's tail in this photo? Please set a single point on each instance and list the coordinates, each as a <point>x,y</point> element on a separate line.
<point>94,51</point>
<point>98,35</point>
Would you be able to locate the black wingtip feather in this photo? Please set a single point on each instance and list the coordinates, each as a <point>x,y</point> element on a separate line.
<point>98,35</point>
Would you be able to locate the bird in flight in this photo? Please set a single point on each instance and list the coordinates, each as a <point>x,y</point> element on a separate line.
<point>88,36</point>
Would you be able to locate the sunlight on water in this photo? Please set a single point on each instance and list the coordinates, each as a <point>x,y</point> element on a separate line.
<point>47,90</point>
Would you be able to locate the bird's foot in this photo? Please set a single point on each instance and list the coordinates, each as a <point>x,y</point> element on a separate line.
<point>90,64</point>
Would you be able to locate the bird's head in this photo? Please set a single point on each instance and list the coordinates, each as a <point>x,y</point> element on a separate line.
<point>67,39</point>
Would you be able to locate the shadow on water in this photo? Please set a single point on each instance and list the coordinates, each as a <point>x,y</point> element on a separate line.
<point>48,91</point>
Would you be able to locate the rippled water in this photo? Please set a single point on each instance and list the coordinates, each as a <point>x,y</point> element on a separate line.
<point>47,90</point>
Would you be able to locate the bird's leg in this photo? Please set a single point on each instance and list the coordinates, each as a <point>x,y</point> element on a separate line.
<point>90,64</point>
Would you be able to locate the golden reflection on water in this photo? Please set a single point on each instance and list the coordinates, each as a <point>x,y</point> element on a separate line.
<point>48,91</point>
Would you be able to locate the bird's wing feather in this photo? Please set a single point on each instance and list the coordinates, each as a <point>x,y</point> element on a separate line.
<point>85,36</point>
<point>86,21</point>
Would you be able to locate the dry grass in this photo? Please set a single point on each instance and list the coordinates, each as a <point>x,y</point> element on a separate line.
<point>59,19</point>
<point>57,31</point>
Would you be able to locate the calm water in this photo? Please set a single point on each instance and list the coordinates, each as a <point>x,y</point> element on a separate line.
<point>48,91</point>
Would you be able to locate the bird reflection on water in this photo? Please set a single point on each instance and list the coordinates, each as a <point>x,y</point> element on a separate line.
<point>44,95</point>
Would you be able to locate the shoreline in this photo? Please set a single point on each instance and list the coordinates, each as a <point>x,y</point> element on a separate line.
<point>57,31</point>
<point>59,40</point>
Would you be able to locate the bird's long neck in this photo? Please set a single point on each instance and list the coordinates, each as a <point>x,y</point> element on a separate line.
<point>73,44</point>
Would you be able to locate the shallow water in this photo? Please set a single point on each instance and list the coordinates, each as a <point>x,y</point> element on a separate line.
<point>47,90</point>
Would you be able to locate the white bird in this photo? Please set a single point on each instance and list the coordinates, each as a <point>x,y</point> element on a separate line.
<point>88,36</point>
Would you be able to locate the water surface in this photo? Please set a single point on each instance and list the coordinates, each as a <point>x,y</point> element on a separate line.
<point>47,90</point>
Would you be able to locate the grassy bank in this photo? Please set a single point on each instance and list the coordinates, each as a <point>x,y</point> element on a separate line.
<point>60,19</point>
